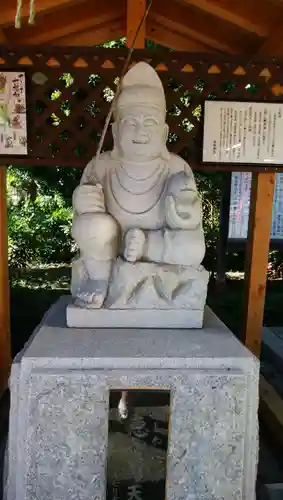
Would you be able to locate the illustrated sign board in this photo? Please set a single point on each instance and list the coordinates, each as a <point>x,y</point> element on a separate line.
<point>240,204</point>
<point>243,132</point>
<point>13,120</point>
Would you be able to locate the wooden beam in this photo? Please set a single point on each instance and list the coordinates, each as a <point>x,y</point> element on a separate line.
<point>96,36</point>
<point>273,45</point>
<point>158,34</point>
<point>260,219</point>
<point>135,12</point>
<point>177,19</point>
<point>8,8</point>
<point>75,19</point>
<point>5,339</point>
<point>234,14</point>
<point>3,37</point>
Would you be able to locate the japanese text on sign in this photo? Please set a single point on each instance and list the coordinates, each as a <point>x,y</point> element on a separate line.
<point>239,132</point>
<point>240,205</point>
<point>13,121</point>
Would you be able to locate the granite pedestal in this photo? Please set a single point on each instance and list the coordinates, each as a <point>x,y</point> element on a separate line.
<point>60,391</point>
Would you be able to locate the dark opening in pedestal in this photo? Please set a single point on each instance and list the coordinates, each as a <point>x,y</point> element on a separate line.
<point>137,445</point>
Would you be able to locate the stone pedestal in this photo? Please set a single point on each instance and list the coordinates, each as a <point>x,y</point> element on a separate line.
<point>60,391</point>
<point>144,295</point>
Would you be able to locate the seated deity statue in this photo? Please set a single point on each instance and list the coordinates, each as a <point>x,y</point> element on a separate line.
<point>137,213</point>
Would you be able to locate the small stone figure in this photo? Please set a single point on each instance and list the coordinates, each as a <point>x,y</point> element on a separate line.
<point>137,214</point>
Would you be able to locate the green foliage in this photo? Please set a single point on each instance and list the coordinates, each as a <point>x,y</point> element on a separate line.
<point>209,187</point>
<point>114,44</point>
<point>39,220</point>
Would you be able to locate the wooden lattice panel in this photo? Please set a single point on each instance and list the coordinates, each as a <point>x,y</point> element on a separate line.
<point>69,92</point>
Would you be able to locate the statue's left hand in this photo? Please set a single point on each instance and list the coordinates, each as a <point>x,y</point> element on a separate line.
<point>134,245</point>
<point>183,214</point>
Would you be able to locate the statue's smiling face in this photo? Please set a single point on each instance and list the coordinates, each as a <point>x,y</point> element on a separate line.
<point>140,133</point>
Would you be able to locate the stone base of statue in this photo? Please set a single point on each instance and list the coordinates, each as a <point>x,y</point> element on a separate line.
<point>145,295</point>
<point>60,387</point>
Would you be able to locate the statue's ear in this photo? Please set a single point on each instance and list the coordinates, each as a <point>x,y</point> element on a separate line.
<point>166,132</point>
<point>115,152</point>
<point>114,131</point>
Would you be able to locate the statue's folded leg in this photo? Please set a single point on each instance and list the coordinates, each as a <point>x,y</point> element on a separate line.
<point>97,238</point>
<point>174,246</point>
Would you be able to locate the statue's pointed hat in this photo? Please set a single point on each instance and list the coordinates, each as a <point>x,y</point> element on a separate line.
<point>141,86</point>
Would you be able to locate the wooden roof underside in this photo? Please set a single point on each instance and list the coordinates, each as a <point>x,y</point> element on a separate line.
<point>225,26</point>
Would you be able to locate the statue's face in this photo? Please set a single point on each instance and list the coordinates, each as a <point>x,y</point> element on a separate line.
<point>140,133</point>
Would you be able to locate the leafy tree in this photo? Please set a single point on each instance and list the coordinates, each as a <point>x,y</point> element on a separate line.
<point>39,220</point>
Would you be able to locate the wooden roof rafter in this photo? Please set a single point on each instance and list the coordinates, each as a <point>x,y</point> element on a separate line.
<point>188,25</point>
<point>237,15</point>
<point>177,18</point>
<point>77,18</point>
<point>97,35</point>
<point>274,43</point>
<point>8,9</point>
<point>161,35</point>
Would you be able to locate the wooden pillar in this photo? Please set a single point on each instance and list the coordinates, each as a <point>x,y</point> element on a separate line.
<point>5,340</point>
<point>135,12</point>
<point>260,220</point>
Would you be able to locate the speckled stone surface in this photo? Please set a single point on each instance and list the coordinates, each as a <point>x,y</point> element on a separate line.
<point>60,391</point>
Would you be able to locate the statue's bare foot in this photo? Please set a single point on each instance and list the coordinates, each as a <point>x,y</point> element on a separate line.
<point>90,300</point>
<point>92,294</point>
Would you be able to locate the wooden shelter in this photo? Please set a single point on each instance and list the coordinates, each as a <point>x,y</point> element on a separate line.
<point>218,42</point>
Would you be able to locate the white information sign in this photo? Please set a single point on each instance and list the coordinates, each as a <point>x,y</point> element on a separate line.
<point>243,132</point>
<point>240,204</point>
<point>13,121</point>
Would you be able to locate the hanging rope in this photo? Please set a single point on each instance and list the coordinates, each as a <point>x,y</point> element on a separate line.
<point>31,12</point>
<point>18,18</point>
<point>18,14</point>
<point>125,68</point>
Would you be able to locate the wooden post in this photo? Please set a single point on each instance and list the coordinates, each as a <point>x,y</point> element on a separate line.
<point>135,12</point>
<point>260,220</point>
<point>5,340</point>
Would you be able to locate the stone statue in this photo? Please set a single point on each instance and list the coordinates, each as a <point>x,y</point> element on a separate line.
<point>137,214</point>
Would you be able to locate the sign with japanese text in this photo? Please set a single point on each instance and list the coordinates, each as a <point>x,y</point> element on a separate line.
<point>240,205</point>
<point>13,121</point>
<point>243,132</point>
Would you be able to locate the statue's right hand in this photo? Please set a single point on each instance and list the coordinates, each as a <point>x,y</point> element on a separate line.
<point>88,198</point>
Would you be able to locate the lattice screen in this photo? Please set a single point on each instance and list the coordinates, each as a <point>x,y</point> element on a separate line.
<point>69,92</point>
